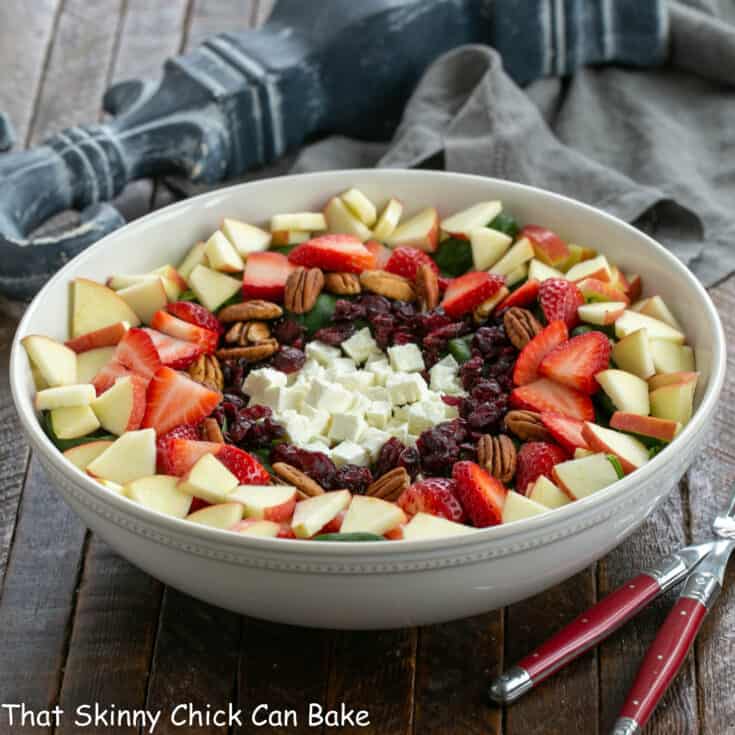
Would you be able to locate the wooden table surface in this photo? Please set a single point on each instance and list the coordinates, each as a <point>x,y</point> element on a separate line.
<point>80,625</point>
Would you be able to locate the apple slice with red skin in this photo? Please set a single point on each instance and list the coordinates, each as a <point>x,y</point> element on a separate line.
<point>105,337</point>
<point>650,426</point>
<point>593,289</point>
<point>547,245</point>
<point>629,451</point>
<point>420,231</point>
<point>461,224</point>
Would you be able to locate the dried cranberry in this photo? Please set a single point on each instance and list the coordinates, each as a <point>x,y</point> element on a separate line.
<point>288,359</point>
<point>410,460</point>
<point>353,478</point>
<point>288,331</point>
<point>383,327</point>
<point>403,337</point>
<point>349,311</point>
<point>336,334</point>
<point>374,304</point>
<point>440,447</point>
<point>389,456</point>
<point>316,465</point>
<point>470,373</point>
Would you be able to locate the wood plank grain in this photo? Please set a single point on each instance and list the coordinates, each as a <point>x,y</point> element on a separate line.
<point>39,596</point>
<point>709,484</point>
<point>374,671</point>
<point>621,655</point>
<point>25,37</point>
<point>454,664</point>
<point>285,668</point>
<point>568,701</point>
<point>195,661</point>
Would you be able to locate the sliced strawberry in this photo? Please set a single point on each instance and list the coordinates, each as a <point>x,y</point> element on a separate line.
<point>176,456</point>
<point>175,399</point>
<point>137,352</point>
<point>524,295</point>
<point>198,504</point>
<point>435,495</point>
<point>196,314</point>
<point>560,299</point>
<point>265,276</point>
<point>546,395</point>
<point>380,251</point>
<point>576,362</point>
<point>185,431</point>
<point>406,261</point>
<point>464,293</point>
<point>104,337</point>
<point>536,459</point>
<point>526,367</point>
<point>205,339</point>
<point>344,253</point>
<point>566,431</point>
<point>107,376</point>
<point>174,353</point>
<point>286,531</point>
<point>481,495</point>
<point>333,526</point>
<point>444,282</point>
<point>243,465</point>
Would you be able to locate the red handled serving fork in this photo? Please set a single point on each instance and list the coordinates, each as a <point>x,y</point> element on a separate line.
<point>702,565</point>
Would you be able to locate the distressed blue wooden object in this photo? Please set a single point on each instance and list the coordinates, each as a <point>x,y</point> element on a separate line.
<point>242,99</point>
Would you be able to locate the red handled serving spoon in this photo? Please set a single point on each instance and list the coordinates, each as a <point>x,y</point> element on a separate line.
<point>702,565</point>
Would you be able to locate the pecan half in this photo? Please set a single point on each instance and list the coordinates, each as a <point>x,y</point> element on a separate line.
<point>246,311</point>
<point>388,284</point>
<point>342,284</point>
<point>521,326</point>
<point>427,287</point>
<point>527,426</point>
<point>497,454</point>
<point>482,312</point>
<point>211,431</point>
<point>303,287</point>
<point>234,333</point>
<point>207,371</point>
<point>251,353</point>
<point>390,485</point>
<point>298,479</point>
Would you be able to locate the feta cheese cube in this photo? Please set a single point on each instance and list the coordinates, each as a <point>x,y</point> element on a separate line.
<point>297,427</point>
<point>406,388</point>
<point>381,369</point>
<point>323,354</point>
<point>444,380</point>
<point>347,426</point>
<point>373,440</point>
<point>347,452</point>
<point>330,397</point>
<point>317,446</point>
<point>399,430</point>
<point>400,413</point>
<point>425,415</point>
<point>406,358</point>
<point>376,356</point>
<point>260,380</point>
<point>448,361</point>
<point>360,345</point>
<point>319,418</point>
<point>360,404</point>
<point>378,414</point>
<point>360,380</point>
<point>341,366</point>
<point>311,369</point>
<point>450,412</point>
<point>377,393</point>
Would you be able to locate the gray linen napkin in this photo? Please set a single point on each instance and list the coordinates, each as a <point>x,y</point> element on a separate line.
<point>654,146</point>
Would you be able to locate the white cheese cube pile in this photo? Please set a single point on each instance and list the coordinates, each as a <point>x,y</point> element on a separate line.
<point>348,402</point>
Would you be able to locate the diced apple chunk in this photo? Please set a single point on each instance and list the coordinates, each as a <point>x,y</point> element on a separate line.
<point>668,357</point>
<point>542,272</point>
<point>212,288</point>
<point>627,391</point>
<point>633,353</point>
<point>650,426</point>
<point>517,507</point>
<point>89,363</point>
<point>629,451</point>
<point>73,421</point>
<point>311,515</point>
<point>223,515</point>
<point>597,268</point>
<point>82,454</point>
<point>95,306</point>
<point>56,362</point>
<point>252,527</point>
<point>372,515</point>
<point>656,307</point>
<point>246,238</point>
<point>517,275</point>
<point>360,206</point>
<point>64,396</point>
<point>131,456</point>
<point>424,526</point>
<point>305,221</point>
<point>420,231</point>
<point>674,401</point>
<point>266,502</point>
<point>340,219</point>
<point>290,237</point>
<point>601,312</point>
<point>462,223</point>
<point>631,321</point>
<point>159,493</point>
<point>488,247</point>
<point>145,298</point>
<point>196,256</point>
<point>222,255</point>
<point>121,407</point>
<point>209,480</point>
<point>388,220</point>
<point>519,254</point>
<point>173,282</point>
<point>582,477</point>
<point>545,492</point>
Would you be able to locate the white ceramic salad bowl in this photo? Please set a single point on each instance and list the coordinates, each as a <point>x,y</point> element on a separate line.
<point>355,585</point>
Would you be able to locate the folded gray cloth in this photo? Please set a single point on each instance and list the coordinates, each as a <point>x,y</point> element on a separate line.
<point>651,146</point>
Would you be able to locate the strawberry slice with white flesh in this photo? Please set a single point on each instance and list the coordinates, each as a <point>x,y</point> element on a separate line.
<point>205,339</point>
<point>175,399</point>
<point>481,495</point>
<point>265,276</point>
<point>137,352</point>
<point>546,395</point>
<point>342,253</point>
<point>566,431</point>
<point>466,292</point>
<point>526,368</point>
<point>175,353</point>
<point>576,362</point>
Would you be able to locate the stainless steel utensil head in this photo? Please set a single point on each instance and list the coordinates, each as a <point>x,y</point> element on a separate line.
<point>724,524</point>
